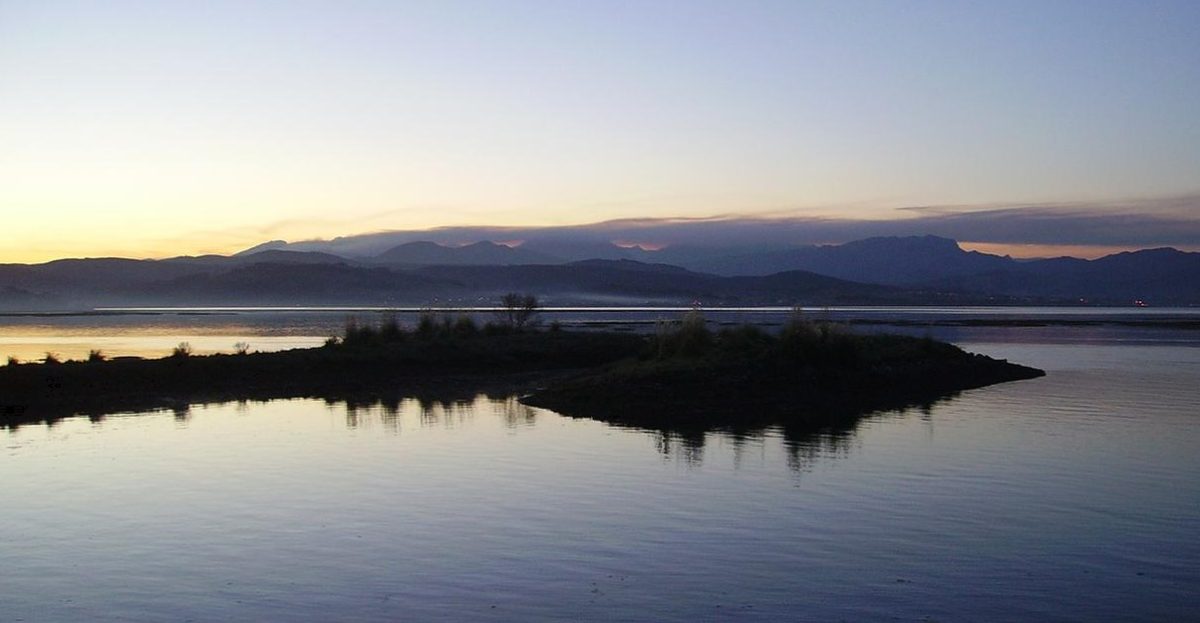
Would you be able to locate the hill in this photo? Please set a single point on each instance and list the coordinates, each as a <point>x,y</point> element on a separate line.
<point>485,252</point>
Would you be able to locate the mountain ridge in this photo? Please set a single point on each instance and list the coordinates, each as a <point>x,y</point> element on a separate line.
<point>881,270</point>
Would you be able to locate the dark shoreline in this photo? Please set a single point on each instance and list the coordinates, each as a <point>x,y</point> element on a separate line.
<point>514,362</point>
<point>739,378</point>
<point>756,391</point>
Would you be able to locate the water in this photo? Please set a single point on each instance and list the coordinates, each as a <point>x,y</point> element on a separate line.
<point>1073,497</point>
<point>154,332</point>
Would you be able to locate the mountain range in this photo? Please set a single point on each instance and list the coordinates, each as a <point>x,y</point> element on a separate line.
<point>886,270</point>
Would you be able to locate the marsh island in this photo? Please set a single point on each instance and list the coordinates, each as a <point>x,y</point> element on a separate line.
<point>683,375</point>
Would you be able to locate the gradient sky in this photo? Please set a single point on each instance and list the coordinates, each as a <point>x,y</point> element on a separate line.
<point>161,128</point>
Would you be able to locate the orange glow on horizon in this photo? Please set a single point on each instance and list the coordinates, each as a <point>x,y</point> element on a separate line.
<point>645,246</point>
<point>1035,251</point>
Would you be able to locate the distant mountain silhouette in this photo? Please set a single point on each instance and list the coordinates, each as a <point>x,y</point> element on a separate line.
<point>1156,276</point>
<point>912,270</point>
<point>271,245</point>
<point>281,256</point>
<point>631,281</point>
<point>577,250</point>
<point>207,281</point>
<point>424,253</point>
<point>891,260</point>
<point>293,284</point>
<point>632,265</point>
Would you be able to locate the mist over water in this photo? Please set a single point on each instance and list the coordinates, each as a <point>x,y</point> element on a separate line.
<point>1068,497</point>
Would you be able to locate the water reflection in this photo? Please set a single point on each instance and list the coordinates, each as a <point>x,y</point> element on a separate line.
<point>804,446</point>
<point>689,446</point>
<point>804,441</point>
<point>513,413</point>
<point>432,410</point>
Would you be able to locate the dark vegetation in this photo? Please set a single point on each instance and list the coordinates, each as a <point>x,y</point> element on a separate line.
<point>811,372</point>
<point>682,377</point>
<point>368,361</point>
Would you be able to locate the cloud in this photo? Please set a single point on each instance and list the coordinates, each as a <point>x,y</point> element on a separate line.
<point>1150,223</point>
<point>1173,221</point>
<point>1133,224</point>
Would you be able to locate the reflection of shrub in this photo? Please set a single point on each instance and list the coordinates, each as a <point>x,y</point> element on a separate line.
<point>95,356</point>
<point>182,351</point>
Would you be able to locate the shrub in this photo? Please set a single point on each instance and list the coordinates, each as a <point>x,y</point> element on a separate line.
<point>464,326</point>
<point>689,338</point>
<point>182,351</point>
<point>354,334</point>
<point>95,356</point>
<point>427,324</point>
<point>496,328</point>
<point>13,361</point>
<point>746,340</point>
<point>241,348</point>
<point>51,358</point>
<point>389,329</point>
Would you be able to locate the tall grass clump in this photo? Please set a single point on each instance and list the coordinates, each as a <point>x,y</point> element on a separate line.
<point>689,337</point>
<point>465,326</point>
<point>804,340</point>
<point>389,330</point>
<point>430,326</point>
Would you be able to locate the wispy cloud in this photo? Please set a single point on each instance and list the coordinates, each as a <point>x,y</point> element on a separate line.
<point>1173,221</point>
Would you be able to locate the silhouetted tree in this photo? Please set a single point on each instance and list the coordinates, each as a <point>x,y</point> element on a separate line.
<point>518,310</point>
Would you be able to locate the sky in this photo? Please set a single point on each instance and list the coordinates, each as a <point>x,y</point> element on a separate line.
<point>152,129</point>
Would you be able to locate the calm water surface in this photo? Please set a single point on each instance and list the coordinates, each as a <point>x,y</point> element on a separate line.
<point>1074,497</point>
